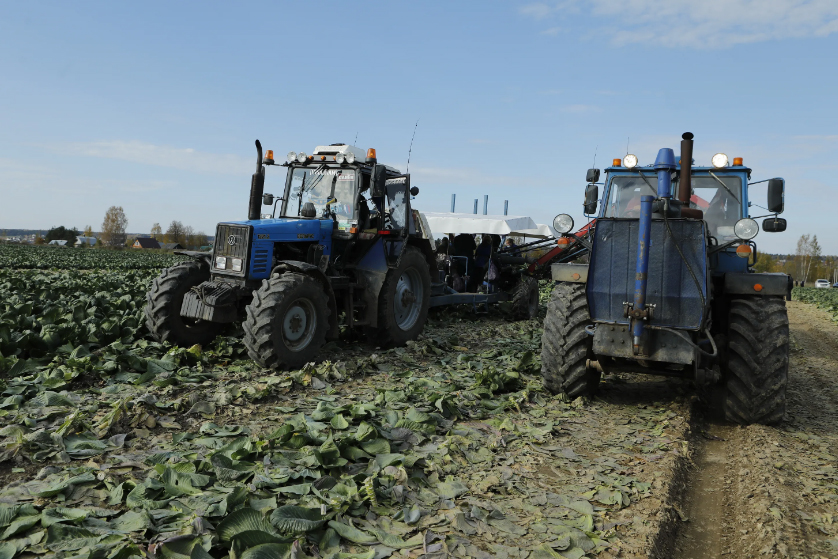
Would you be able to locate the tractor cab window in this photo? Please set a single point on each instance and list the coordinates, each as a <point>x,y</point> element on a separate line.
<point>625,192</point>
<point>721,204</point>
<point>320,186</point>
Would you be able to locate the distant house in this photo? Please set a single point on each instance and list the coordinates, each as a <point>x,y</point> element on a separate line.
<point>89,241</point>
<point>57,242</point>
<point>171,246</point>
<point>145,242</point>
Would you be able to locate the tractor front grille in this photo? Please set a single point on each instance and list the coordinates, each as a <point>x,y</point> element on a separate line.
<point>232,241</point>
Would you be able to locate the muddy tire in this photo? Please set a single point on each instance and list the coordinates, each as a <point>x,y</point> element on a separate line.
<point>286,321</point>
<point>163,303</point>
<point>565,346</point>
<point>525,298</point>
<point>403,301</point>
<point>756,371</point>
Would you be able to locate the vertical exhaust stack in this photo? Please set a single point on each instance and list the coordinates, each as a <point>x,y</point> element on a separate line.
<point>685,182</point>
<point>257,186</point>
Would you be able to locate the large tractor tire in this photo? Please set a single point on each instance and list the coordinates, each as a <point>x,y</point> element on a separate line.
<point>403,301</point>
<point>565,346</point>
<point>286,321</point>
<point>757,365</point>
<point>163,303</point>
<point>525,298</point>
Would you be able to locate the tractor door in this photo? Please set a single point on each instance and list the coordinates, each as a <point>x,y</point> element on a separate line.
<point>399,218</point>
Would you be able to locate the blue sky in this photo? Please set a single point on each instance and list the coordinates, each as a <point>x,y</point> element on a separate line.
<point>154,106</point>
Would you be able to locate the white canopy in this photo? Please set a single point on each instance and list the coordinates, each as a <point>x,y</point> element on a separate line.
<point>456,223</point>
<point>541,231</point>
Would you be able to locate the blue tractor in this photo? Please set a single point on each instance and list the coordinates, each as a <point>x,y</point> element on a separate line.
<point>669,287</point>
<point>345,246</point>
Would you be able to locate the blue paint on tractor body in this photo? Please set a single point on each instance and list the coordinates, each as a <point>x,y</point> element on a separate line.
<point>267,232</point>
<point>664,165</point>
<point>642,267</point>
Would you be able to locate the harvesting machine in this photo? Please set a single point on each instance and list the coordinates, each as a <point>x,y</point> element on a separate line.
<point>670,289</point>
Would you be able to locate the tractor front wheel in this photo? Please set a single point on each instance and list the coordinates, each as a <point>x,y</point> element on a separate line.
<point>286,321</point>
<point>164,300</point>
<point>403,301</point>
<point>757,365</point>
<point>565,345</point>
<point>525,298</point>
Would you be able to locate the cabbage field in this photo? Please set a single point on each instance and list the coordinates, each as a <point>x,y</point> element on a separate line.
<point>826,299</point>
<point>115,446</point>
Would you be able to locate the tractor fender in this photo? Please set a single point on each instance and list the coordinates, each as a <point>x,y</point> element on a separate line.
<point>203,257</point>
<point>764,284</point>
<point>315,272</point>
<point>425,246</point>
<point>573,273</point>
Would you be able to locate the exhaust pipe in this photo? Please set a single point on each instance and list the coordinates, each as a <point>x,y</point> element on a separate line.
<point>257,186</point>
<point>685,182</point>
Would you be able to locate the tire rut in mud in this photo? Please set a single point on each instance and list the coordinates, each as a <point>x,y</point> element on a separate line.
<point>758,490</point>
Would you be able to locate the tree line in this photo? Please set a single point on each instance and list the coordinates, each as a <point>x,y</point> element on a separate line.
<point>114,232</point>
<point>806,264</point>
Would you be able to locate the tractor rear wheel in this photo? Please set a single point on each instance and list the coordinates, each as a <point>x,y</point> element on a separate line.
<point>525,298</point>
<point>565,345</point>
<point>286,321</point>
<point>756,370</point>
<point>403,301</point>
<point>164,300</point>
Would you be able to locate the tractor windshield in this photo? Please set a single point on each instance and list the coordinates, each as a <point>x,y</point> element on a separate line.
<point>319,186</point>
<point>718,197</point>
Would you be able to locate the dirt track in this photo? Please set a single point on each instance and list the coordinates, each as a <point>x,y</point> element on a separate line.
<point>764,491</point>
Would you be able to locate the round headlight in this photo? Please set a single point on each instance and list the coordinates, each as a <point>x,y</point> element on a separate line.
<point>719,160</point>
<point>291,157</point>
<point>746,229</point>
<point>350,158</point>
<point>301,157</point>
<point>630,161</point>
<point>563,223</point>
<point>340,158</point>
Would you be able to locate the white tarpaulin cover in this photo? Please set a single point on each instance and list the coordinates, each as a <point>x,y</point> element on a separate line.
<point>443,223</point>
<point>541,231</point>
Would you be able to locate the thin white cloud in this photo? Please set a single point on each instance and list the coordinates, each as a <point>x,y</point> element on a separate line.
<point>186,159</point>
<point>578,109</point>
<point>708,24</point>
<point>553,31</point>
<point>537,10</point>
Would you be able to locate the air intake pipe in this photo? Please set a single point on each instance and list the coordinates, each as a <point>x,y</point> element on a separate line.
<point>257,186</point>
<point>685,182</point>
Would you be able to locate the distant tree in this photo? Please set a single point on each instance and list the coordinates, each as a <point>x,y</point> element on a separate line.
<point>175,233</point>
<point>765,263</point>
<point>156,231</point>
<point>199,240</point>
<point>88,231</point>
<point>62,234</point>
<point>113,228</point>
<point>39,240</point>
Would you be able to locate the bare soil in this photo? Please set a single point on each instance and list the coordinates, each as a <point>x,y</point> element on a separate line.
<point>772,491</point>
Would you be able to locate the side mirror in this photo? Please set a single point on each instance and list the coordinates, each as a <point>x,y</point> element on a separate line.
<point>267,199</point>
<point>591,197</point>
<point>774,225</point>
<point>379,176</point>
<point>776,196</point>
<point>414,190</point>
<point>592,175</point>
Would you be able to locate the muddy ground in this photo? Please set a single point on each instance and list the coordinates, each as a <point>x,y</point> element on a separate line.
<point>638,471</point>
<point>772,491</point>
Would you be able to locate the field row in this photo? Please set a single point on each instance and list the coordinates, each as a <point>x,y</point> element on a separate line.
<point>25,257</point>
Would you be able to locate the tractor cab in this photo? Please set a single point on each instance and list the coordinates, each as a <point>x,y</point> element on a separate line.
<point>333,206</point>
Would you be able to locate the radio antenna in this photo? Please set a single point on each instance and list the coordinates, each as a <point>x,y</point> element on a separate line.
<point>595,150</point>
<point>355,143</point>
<point>627,144</point>
<point>411,146</point>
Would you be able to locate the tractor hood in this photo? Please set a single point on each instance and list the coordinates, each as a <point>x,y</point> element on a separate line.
<point>289,229</point>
